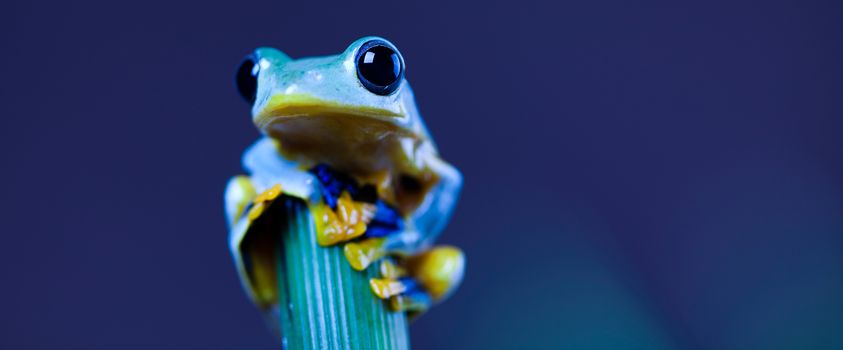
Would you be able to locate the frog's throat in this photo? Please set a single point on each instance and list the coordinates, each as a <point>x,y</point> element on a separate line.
<point>282,106</point>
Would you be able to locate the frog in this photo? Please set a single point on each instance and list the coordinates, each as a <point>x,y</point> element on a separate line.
<point>343,134</point>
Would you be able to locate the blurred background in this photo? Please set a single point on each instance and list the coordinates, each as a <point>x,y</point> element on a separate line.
<point>639,175</point>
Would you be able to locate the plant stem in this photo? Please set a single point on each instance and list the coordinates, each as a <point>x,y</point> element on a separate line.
<point>323,302</point>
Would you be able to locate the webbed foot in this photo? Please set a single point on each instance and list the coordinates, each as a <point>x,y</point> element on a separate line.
<point>418,281</point>
<point>371,231</point>
<point>349,210</point>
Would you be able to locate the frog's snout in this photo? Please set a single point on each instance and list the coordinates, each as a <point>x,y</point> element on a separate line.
<point>283,105</point>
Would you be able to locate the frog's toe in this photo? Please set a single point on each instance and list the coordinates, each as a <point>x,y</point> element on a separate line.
<point>402,294</point>
<point>391,270</point>
<point>262,201</point>
<point>385,288</point>
<point>414,302</point>
<point>347,221</point>
<point>439,270</point>
<point>363,253</point>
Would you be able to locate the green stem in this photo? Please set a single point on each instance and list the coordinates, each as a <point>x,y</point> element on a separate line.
<point>329,304</point>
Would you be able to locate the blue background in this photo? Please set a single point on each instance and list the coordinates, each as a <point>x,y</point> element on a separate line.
<point>639,175</point>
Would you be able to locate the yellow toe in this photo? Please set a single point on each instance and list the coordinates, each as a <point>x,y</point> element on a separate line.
<point>361,255</point>
<point>385,288</point>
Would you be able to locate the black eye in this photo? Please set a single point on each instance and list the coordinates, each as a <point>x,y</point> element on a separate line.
<point>380,67</point>
<point>247,79</point>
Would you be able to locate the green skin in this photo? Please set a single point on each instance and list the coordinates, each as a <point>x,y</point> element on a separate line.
<point>315,110</point>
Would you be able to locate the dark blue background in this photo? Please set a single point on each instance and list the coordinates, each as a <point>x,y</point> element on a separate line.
<point>639,175</point>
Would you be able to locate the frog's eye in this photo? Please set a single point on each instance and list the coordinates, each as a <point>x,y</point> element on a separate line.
<point>247,79</point>
<point>380,67</point>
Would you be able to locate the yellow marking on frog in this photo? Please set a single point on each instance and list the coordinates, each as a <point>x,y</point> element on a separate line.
<point>361,254</point>
<point>347,222</point>
<point>391,271</point>
<point>297,104</point>
<point>263,200</point>
<point>385,288</point>
<point>439,270</point>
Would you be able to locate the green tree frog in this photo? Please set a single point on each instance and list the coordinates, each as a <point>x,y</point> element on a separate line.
<point>343,134</point>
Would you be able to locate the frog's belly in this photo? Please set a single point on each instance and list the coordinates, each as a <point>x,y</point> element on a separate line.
<point>359,146</point>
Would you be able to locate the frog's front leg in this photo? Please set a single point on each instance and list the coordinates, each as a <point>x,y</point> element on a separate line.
<point>432,273</point>
<point>269,168</point>
<point>422,275</point>
<point>270,175</point>
<point>246,199</point>
<point>430,218</point>
<point>421,227</point>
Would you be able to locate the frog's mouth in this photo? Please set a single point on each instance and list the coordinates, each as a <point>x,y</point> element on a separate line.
<point>282,106</point>
<point>355,139</point>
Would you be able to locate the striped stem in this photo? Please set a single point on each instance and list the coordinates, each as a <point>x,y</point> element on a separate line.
<point>329,305</point>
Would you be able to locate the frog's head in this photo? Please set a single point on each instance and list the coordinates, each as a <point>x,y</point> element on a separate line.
<point>356,101</point>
